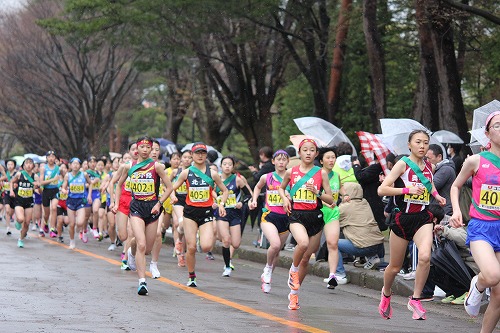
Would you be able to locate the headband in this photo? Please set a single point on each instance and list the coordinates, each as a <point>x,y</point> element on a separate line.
<point>490,116</point>
<point>308,140</point>
<point>280,152</point>
<point>145,142</point>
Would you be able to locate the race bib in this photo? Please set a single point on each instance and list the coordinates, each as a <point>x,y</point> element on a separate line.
<point>25,192</point>
<point>231,201</point>
<point>63,196</point>
<point>96,186</point>
<point>422,199</point>
<point>199,194</point>
<point>6,186</point>
<point>127,187</point>
<point>182,189</point>
<point>304,196</point>
<point>76,188</point>
<point>489,197</point>
<point>143,186</point>
<point>274,199</point>
<point>335,196</point>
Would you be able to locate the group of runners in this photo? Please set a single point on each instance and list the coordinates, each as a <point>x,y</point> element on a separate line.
<point>201,204</point>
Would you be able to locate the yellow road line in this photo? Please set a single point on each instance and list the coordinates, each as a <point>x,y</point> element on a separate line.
<point>202,294</point>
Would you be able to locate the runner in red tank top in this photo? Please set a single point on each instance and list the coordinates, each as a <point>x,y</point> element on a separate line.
<point>413,221</point>
<point>306,219</point>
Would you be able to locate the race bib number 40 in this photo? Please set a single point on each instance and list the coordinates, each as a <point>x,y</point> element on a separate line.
<point>199,194</point>
<point>422,199</point>
<point>489,197</point>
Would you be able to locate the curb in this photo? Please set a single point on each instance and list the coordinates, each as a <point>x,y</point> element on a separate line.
<point>358,276</point>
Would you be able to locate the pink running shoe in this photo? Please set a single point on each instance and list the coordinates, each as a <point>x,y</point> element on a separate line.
<point>122,255</point>
<point>178,247</point>
<point>46,228</point>
<point>384,308</point>
<point>53,234</point>
<point>84,237</point>
<point>416,307</point>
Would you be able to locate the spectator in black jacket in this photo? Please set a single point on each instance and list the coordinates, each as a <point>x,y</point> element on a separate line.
<point>369,179</point>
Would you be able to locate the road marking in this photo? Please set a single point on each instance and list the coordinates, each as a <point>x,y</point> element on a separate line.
<point>202,294</point>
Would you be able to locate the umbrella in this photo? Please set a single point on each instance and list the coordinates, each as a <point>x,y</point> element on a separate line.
<point>297,139</point>
<point>398,144</point>
<point>167,146</point>
<point>478,138</point>
<point>445,136</point>
<point>391,126</point>
<point>447,258</point>
<point>323,130</point>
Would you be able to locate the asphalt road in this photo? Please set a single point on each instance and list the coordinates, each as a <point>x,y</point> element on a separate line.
<point>45,287</point>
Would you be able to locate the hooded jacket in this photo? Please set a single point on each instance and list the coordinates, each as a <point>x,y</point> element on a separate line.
<point>356,219</point>
<point>444,176</point>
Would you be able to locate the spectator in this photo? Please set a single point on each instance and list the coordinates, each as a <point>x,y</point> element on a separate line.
<point>444,175</point>
<point>343,166</point>
<point>361,232</point>
<point>369,179</point>
<point>453,150</point>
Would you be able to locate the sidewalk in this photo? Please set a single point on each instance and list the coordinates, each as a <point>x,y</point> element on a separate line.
<point>372,279</point>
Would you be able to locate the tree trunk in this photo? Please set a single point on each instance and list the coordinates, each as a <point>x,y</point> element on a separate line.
<point>377,64</point>
<point>338,60</point>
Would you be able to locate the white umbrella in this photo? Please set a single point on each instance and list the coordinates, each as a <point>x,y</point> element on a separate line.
<point>477,137</point>
<point>445,136</point>
<point>392,126</point>
<point>481,113</point>
<point>398,143</point>
<point>323,130</point>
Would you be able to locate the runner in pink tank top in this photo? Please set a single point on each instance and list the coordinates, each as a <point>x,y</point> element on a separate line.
<point>483,230</point>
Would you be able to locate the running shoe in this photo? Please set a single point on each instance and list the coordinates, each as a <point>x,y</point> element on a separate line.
<point>342,279</point>
<point>131,260</point>
<point>95,233</point>
<point>142,289</point>
<point>10,233</point>
<point>294,301</point>
<point>18,225</point>
<point>332,282</point>
<point>372,262</point>
<point>85,239</point>
<point>60,239</point>
<point>72,244</point>
<point>20,243</point>
<point>210,256</point>
<point>459,300</point>
<point>124,266</point>
<point>473,300</point>
<point>448,299</point>
<point>80,235</point>
<point>46,228</point>
<point>178,247</point>
<point>181,261</point>
<point>416,307</point>
<point>100,237</point>
<point>410,276</point>
<point>267,275</point>
<point>40,234</point>
<point>266,287</point>
<point>53,233</point>
<point>122,255</point>
<point>385,308</point>
<point>231,265</point>
<point>153,268</point>
<point>34,227</point>
<point>112,247</point>
<point>293,280</point>
<point>192,283</point>
<point>227,272</point>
